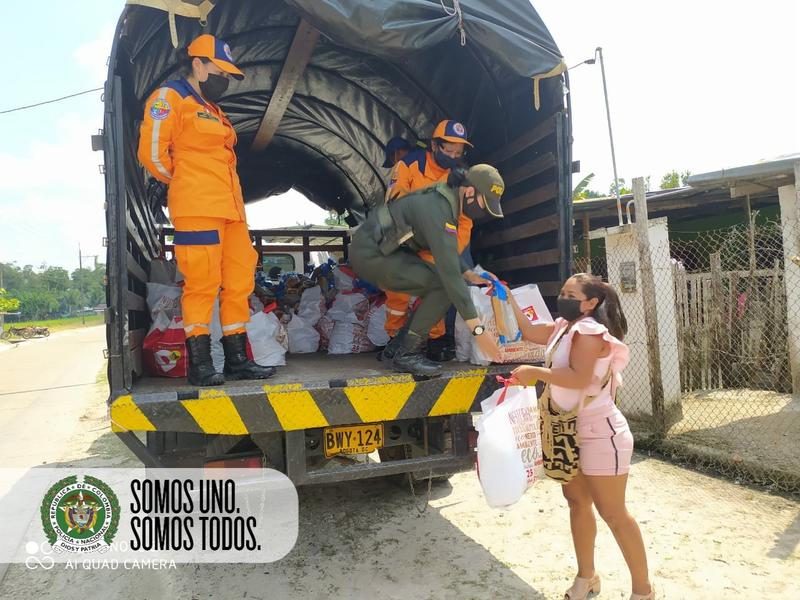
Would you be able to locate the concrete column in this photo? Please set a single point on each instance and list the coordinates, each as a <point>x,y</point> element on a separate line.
<point>789,196</point>
<point>622,255</point>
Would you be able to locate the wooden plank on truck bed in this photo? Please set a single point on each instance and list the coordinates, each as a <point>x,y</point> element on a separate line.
<point>135,302</point>
<point>533,198</point>
<point>520,232</point>
<point>305,394</point>
<point>521,143</point>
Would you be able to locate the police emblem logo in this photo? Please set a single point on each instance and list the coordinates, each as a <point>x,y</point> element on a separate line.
<point>459,129</point>
<point>80,516</point>
<point>227,50</point>
<point>159,110</point>
<point>496,189</point>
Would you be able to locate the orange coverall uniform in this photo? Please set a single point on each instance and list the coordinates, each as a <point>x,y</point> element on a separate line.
<point>187,143</point>
<point>417,171</point>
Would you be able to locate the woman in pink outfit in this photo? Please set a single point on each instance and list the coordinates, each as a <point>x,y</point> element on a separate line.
<point>587,358</point>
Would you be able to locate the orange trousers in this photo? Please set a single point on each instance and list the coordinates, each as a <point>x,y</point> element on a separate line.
<point>397,315</point>
<point>214,254</point>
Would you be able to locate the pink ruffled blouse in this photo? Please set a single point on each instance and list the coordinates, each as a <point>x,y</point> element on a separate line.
<point>617,359</point>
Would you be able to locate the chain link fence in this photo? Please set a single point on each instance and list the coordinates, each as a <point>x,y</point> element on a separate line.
<point>723,310</point>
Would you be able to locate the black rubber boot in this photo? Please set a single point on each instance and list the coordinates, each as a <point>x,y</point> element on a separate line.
<point>201,367</point>
<point>409,357</point>
<point>391,347</point>
<point>237,365</point>
<point>441,350</point>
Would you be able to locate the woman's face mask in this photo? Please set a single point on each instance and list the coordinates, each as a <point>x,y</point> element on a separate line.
<point>213,87</point>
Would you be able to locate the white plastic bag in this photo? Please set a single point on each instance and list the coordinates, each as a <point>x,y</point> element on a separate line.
<point>325,328</point>
<point>376,327</point>
<point>509,445</point>
<point>303,338</point>
<point>165,300</point>
<point>312,306</point>
<point>349,308</point>
<point>343,278</point>
<point>463,340</point>
<point>349,338</point>
<point>264,331</point>
<point>534,307</point>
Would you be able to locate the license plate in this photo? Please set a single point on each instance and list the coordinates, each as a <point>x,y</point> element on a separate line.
<point>353,439</point>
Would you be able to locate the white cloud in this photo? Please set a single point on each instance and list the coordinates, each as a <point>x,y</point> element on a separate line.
<point>692,85</point>
<point>93,55</point>
<point>54,199</point>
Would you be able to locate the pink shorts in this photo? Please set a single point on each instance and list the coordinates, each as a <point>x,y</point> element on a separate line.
<point>606,444</point>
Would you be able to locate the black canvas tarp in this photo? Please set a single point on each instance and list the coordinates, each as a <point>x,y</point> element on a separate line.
<point>380,68</point>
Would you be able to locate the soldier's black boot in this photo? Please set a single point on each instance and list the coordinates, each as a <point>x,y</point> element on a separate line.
<point>394,343</point>
<point>201,367</point>
<point>409,357</point>
<point>441,350</point>
<point>237,365</point>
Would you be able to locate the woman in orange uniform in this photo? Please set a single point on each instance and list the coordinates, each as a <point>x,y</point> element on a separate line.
<point>187,142</point>
<point>417,170</point>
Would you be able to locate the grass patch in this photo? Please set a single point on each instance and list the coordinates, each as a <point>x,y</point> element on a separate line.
<point>60,324</point>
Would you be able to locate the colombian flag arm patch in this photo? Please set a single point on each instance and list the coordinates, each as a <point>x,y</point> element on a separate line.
<point>450,228</point>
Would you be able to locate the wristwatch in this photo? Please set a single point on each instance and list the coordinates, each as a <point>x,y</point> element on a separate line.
<point>479,329</point>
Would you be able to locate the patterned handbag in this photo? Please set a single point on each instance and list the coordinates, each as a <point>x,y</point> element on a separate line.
<point>560,443</point>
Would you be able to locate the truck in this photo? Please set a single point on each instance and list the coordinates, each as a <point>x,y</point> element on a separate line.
<point>328,82</point>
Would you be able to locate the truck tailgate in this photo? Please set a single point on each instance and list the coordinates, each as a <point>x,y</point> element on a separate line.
<point>313,390</point>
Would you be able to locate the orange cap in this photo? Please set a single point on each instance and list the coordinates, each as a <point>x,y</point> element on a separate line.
<point>217,51</point>
<point>451,131</point>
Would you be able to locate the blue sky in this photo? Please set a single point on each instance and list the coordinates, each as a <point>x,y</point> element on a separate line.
<point>693,85</point>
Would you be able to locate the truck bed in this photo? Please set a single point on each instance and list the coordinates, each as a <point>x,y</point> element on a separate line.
<point>311,391</point>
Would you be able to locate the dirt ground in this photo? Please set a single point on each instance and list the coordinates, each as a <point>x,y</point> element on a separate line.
<point>751,425</point>
<point>706,538</point>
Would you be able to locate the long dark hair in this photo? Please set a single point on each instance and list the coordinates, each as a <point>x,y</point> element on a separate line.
<point>608,310</point>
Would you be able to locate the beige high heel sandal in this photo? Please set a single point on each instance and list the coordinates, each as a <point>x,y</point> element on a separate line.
<point>581,588</point>
<point>650,596</point>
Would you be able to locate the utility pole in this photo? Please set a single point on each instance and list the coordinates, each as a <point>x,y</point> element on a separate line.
<point>80,282</point>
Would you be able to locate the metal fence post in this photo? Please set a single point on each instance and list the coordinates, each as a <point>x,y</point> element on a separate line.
<point>649,302</point>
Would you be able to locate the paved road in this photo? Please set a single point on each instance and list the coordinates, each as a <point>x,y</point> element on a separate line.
<point>46,385</point>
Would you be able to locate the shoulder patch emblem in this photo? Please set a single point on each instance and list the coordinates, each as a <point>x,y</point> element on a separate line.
<point>450,228</point>
<point>160,109</point>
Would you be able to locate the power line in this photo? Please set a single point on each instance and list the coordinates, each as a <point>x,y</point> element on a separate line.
<point>10,110</point>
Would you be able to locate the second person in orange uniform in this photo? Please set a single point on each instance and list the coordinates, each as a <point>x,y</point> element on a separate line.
<point>187,142</point>
<point>417,170</point>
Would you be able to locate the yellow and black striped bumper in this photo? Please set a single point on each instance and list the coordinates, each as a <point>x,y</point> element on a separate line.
<point>267,408</point>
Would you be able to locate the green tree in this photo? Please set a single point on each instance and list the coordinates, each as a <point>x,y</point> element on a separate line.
<point>334,219</point>
<point>582,191</point>
<point>7,303</point>
<point>673,179</point>
<point>623,189</point>
<point>38,304</point>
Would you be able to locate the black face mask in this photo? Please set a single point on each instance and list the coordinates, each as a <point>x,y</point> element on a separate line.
<point>472,209</point>
<point>214,87</point>
<point>445,161</point>
<point>570,308</point>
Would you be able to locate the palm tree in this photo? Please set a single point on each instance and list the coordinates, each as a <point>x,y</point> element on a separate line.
<point>582,191</point>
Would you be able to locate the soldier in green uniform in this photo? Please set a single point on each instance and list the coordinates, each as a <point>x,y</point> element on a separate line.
<point>384,252</point>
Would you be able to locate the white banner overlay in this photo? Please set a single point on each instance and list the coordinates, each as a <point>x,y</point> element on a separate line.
<point>150,516</point>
